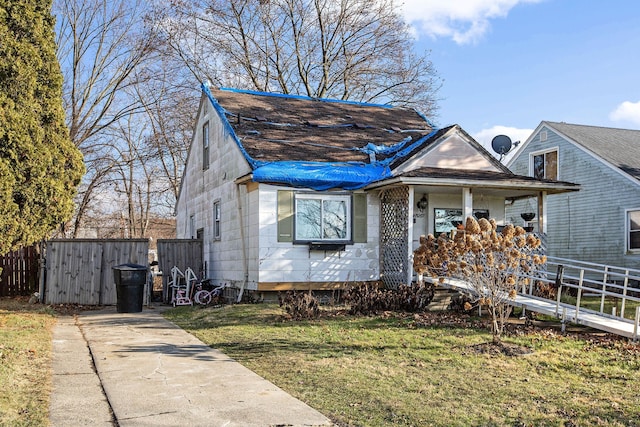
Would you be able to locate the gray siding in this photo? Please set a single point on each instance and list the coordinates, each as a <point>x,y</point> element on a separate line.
<point>587,225</point>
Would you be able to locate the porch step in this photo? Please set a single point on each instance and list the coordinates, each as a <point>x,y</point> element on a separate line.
<point>441,299</point>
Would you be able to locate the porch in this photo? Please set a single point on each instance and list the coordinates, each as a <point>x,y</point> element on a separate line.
<point>434,201</point>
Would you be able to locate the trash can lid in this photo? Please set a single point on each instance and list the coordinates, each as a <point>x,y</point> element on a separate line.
<point>130,266</point>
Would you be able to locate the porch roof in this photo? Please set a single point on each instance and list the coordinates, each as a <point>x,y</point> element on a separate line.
<point>505,184</point>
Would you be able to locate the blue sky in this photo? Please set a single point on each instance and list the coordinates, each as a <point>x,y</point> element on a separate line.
<point>509,64</point>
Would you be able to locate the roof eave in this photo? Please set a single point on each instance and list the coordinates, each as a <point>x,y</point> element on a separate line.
<point>550,187</point>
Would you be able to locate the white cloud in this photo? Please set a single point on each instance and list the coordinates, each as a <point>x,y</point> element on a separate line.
<point>464,21</point>
<point>627,111</point>
<point>518,136</point>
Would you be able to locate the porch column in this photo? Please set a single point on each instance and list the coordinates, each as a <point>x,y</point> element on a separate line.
<point>410,235</point>
<point>542,212</point>
<point>467,204</point>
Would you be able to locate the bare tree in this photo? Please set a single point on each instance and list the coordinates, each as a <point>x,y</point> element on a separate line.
<point>100,46</point>
<point>170,108</point>
<point>359,50</point>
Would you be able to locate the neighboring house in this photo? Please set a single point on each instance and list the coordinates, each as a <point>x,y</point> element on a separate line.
<point>601,222</point>
<point>289,192</point>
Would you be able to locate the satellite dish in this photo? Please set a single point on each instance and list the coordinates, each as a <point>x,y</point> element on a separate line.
<point>501,144</point>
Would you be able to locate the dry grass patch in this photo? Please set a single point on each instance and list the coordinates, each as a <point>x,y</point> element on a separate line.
<point>417,370</point>
<point>25,355</point>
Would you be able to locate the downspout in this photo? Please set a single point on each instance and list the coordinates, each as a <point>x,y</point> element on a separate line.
<point>245,266</point>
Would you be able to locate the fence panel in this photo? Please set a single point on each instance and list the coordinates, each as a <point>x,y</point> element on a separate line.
<point>79,271</point>
<point>182,253</point>
<point>19,272</point>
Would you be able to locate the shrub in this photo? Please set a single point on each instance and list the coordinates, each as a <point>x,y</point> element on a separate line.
<point>300,305</point>
<point>370,299</point>
<point>494,265</point>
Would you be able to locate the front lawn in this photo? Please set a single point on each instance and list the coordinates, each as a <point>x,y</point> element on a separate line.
<point>392,370</point>
<point>25,362</point>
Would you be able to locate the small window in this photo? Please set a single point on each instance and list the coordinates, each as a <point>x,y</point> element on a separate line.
<point>322,217</point>
<point>205,146</point>
<point>192,226</point>
<point>633,230</point>
<point>545,165</point>
<point>216,220</point>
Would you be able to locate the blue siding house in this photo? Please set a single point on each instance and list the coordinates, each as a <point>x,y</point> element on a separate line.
<point>601,222</point>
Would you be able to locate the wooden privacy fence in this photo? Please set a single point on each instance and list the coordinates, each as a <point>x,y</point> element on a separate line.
<point>79,271</point>
<point>19,272</point>
<point>182,253</point>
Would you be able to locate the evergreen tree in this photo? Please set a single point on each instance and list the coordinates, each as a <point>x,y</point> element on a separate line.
<point>40,168</point>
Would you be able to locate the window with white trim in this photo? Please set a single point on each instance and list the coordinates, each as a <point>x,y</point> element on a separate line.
<point>544,165</point>
<point>205,146</point>
<point>633,230</point>
<point>216,220</point>
<point>322,217</point>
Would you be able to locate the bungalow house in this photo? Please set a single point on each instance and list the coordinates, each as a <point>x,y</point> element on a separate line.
<point>601,222</point>
<point>289,192</point>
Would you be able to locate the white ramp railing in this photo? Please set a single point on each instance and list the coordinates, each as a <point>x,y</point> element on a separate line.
<point>590,288</point>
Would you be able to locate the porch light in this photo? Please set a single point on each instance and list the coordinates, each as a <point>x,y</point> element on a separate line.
<point>422,203</point>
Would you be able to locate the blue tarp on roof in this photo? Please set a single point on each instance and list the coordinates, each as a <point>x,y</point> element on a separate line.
<point>322,176</point>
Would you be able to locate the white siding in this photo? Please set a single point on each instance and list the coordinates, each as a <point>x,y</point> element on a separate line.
<point>587,225</point>
<point>287,262</point>
<point>200,188</point>
<point>268,260</point>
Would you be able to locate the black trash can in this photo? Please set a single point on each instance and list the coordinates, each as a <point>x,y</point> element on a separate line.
<point>130,280</point>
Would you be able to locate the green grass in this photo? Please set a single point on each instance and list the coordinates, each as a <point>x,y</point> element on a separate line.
<point>593,303</point>
<point>392,371</point>
<point>25,363</point>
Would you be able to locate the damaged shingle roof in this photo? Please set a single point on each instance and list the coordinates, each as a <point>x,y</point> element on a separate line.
<point>275,127</point>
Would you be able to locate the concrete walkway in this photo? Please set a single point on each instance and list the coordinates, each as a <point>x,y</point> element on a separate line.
<point>138,369</point>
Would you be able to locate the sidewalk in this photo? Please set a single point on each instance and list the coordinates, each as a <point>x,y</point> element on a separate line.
<point>155,374</point>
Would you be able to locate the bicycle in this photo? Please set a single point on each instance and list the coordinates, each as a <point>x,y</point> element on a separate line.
<point>181,285</point>
<point>205,297</point>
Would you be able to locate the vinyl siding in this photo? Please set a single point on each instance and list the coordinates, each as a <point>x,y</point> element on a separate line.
<point>287,262</point>
<point>200,188</point>
<point>268,260</point>
<point>587,225</point>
